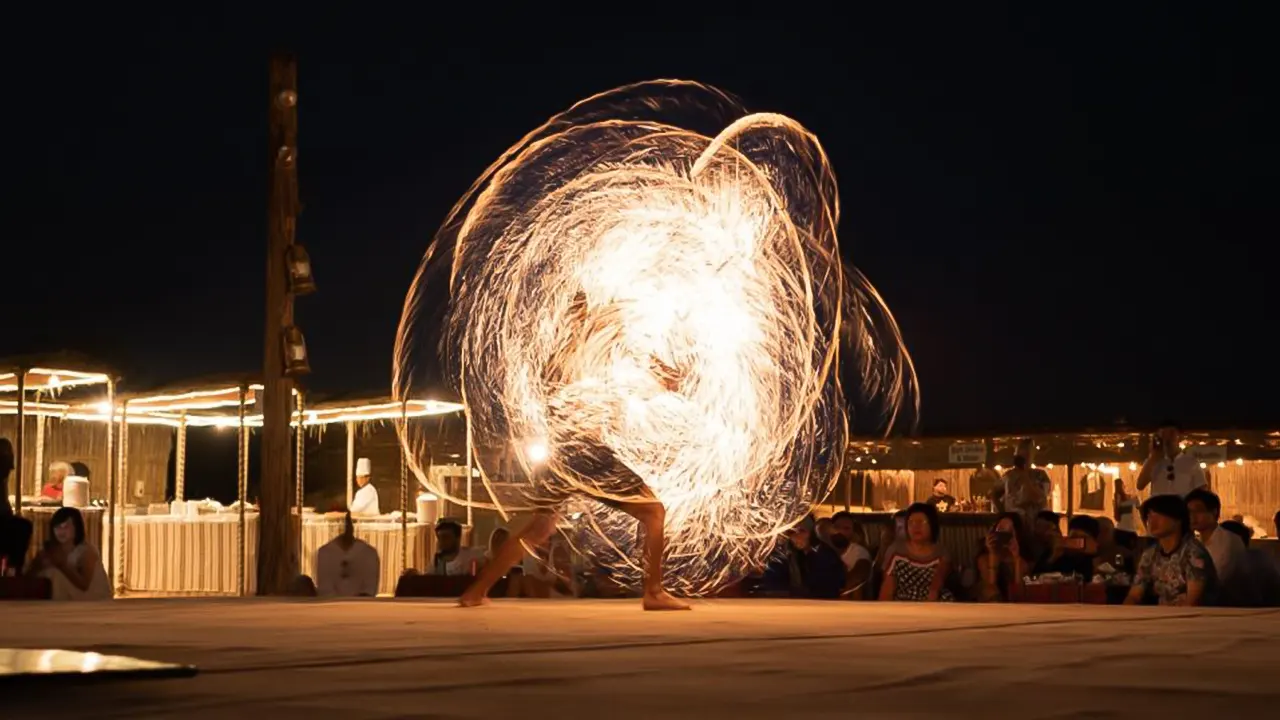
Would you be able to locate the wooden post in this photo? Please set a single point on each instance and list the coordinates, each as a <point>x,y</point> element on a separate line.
<point>19,442</point>
<point>112,525</point>
<point>122,492</point>
<point>351,462</point>
<point>275,496</point>
<point>242,493</point>
<point>180,462</point>
<point>299,473</point>
<point>404,489</point>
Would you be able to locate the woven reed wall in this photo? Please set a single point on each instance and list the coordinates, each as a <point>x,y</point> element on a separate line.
<point>86,442</point>
<point>1251,489</point>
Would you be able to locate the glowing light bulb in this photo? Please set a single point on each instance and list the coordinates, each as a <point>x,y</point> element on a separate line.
<point>1133,467</point>
<point>1239,461</point>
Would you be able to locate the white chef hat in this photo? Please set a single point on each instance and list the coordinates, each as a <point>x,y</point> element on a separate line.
<point>362,467</point>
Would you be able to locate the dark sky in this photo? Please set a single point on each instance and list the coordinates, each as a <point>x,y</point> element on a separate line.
<point>1066,212</point>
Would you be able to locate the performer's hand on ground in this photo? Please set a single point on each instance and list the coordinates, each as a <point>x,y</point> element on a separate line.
<point>663,600</point>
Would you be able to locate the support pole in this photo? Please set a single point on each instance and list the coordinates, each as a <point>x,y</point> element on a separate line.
<point>112,530</point>
<point>299,473</point>
<point>242,478</point>
<point>274,542</point>
<point>180,462</point>
<point>470,454</point>
<point>351,461</point>
<point>122,492</point>
<point>19,441</point>
<point>404,489</point>
<point>39,468</point>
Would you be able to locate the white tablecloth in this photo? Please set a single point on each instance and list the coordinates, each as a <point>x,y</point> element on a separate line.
<point>167,554</point>
<point>385,537</point>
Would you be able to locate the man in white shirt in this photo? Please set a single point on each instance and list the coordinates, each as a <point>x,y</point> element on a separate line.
<point>1168,470</point>
<point>347,566</point>
<point>1226,549</point>
<point>365,501</point>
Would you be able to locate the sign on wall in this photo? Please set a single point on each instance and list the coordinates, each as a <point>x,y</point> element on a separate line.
<point>967,453</point>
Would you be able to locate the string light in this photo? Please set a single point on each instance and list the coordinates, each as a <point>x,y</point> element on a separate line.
<point>44,379</point>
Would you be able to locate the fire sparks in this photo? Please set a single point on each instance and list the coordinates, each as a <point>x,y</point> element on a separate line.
<point>653,275</point>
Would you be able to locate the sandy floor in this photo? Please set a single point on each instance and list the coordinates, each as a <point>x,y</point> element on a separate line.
<point>739,659</point>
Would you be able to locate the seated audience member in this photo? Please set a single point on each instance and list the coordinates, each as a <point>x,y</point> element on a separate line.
<point>1260,570</point>
<point>918,569</point>
<point>848,540</point>
<point>451,558</point>
<point>823,529</point>
<point>1073,554</point>
<point>347,566</point>
<point>814,569</point>
<point>1003,560</point>
<point>70,563</point>
<point>1111,551</point>
<point>1176,569</point>
<point>1046,531</point>
<point>1226,549</point>
<point>554,577</point>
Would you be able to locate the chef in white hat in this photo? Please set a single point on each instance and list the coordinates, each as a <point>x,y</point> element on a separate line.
<point>365,501</point>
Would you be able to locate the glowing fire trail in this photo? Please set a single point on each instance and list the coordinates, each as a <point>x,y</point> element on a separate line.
<point>652,278</point>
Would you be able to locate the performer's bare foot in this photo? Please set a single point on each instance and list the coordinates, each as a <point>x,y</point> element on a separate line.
<point>468,601</point>
<point>663,601</point>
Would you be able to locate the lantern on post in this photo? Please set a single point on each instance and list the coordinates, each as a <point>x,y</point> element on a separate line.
<point>295,352</point>
<point>301,282</point>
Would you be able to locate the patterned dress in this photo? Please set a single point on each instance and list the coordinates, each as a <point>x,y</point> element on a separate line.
<point>913,577</point>
<point>1167,574</point>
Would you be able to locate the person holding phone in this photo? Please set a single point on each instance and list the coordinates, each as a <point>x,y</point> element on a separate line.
<point>1168,470</point>
<point>1004,560</point>
<point>1074,553</point>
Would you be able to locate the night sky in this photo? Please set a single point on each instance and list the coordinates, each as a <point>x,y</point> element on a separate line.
<point>1065,212</point>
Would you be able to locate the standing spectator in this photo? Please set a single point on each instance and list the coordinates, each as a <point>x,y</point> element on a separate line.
<point>1026,488</point>
<point>1125,507</point>
<point>1167,469</point>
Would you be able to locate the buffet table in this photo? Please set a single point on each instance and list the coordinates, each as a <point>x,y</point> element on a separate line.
<point>189,555</point>
<point>385,537</point>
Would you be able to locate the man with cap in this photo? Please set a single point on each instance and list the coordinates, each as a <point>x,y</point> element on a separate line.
<point>365,501</point>
<point>57,473</point>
